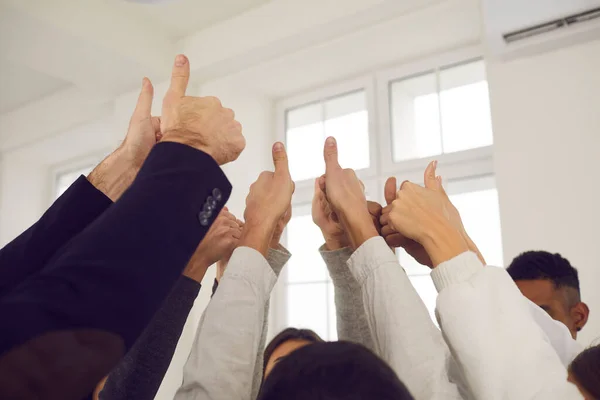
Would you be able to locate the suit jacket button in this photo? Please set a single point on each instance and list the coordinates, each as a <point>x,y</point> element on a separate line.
<point>208,208</point>
<point>217,194</point>
<point>210,200</point>
<point>204,215</point>
<point>204,221</point>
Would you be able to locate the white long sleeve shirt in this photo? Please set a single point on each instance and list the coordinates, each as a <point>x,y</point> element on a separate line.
<point>500,349</point>
<point>223,362</point>
<point>403,332</point>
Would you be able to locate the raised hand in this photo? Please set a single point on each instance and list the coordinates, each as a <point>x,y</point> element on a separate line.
<point>269,199</point>
<point>324,217</point>
<point>421,215</point>
<point>345,194</point>
<point>116,173</point>
<point>218,244</point>
<point>199,122</point>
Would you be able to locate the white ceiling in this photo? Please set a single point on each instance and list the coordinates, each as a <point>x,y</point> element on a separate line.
<point>183,17</point>
<point>19,85</point>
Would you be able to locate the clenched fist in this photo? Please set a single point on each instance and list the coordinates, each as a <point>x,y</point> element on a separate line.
<point>199,122</point>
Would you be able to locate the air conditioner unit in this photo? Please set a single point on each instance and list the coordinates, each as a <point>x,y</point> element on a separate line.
<point>516,28</point>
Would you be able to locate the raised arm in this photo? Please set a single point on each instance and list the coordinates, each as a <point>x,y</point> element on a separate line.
<point>83,201</point>
<point>222,363</point>
<point>351,319</point>
<point>402,330</point>
<point>502,353</point>
<point>140,373</point>
<point>93,300</point>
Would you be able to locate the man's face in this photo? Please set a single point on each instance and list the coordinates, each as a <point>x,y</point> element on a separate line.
<point>552,300</point>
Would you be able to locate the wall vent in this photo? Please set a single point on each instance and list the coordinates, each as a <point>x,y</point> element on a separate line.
<point>553,25</point>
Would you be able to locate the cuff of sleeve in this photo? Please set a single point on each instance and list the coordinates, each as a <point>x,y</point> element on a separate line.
<point>248,264</point>
<point>336,262</point>
<point>369,256</point>
<point>457,270</point>
<point>187,287</point>
<point>277,258</point>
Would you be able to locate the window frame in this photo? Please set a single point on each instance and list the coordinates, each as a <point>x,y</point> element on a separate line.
<point>455,164</point>
<point>366,83</point>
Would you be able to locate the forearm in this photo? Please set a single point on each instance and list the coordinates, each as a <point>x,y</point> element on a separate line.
<point>352,324</point>
<point>402,330</point>
<point>519,361</point>
<point>140,373</point>
<point>228,339</point>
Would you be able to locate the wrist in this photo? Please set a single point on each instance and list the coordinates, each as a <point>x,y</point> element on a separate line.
<point>188,140</point>
<point>196,272</point>
<point>443,243</point>
<point>257,235</point>
<point>359,227</point>
<point>114,174</point>
<point>334,242</point>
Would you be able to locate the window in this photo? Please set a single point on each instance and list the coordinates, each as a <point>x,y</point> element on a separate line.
<point>435,109</point>
<point>307,126</point>
<point>66,179</point>
<point>442,111</point>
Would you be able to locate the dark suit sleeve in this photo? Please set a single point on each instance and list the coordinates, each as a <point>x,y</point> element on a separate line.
<point>100,291</point>
<point>140,373</point>
<point>78,206</point>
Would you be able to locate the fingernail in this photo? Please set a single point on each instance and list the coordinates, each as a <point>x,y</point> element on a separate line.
<point>144,82</point>
<point>330,141</point>
<point>435,163</point>
<point>278,146</point>
<point>180,60</point>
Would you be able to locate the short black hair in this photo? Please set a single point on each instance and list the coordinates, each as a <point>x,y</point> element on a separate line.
<point>585,368</point>
<point>332,371</point>
<point>534,265</point>
<point>284,336</point>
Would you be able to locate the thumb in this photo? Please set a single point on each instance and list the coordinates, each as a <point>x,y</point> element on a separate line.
<point>330,153</point>
<point>179,77</point>
<point>280,159</point>
<point>143,108</point>
<point>389,190</point>
<point>429,177</point>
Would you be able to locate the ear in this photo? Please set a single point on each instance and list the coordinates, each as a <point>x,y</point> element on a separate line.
<point>580,313</point>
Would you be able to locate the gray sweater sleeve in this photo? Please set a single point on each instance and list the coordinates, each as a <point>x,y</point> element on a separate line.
<point>352,323</point>
<point>140,373</point>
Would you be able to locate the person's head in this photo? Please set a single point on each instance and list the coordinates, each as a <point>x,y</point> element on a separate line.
<point>584,372</point>
<point>284,343</point>
<point>332,371</point>
<point>552,283</point>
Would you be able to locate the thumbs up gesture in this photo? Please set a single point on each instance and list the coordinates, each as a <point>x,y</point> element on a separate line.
<point>268,203</point>
<point>199,122</point>
<point>346,195</point>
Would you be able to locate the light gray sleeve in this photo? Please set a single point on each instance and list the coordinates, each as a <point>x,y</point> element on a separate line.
<point>403,332</point>
<point>276,258</point>
<point>352,324</point>
<point>503,352</point>
<point>222,362</point>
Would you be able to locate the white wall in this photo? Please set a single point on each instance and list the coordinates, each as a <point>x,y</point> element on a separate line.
<point>546,119</point>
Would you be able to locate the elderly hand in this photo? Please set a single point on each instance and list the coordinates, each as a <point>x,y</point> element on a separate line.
<point>117,171</point>
<point>199,122</point>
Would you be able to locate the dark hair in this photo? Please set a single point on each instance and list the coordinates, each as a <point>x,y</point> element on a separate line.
<point>533,265</point>
<point>284,336</point>
<point>585,368</point>
<point>331,371</point>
